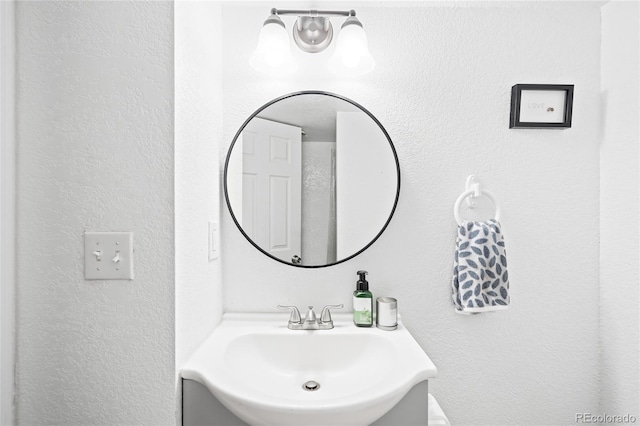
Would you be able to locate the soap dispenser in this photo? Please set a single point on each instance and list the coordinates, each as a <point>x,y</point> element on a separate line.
<point>362,302</point>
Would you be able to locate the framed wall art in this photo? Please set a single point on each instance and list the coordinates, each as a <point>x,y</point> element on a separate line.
<point>536,106</point>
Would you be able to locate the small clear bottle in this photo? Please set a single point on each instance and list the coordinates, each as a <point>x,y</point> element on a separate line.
<point>362,302</point>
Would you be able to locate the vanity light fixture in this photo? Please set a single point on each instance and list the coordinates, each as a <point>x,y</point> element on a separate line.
<point>312,33</point>
<point>273,53</point>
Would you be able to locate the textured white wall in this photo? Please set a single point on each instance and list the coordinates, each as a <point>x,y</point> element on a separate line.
<point>619,184</point>
<point>441,88</point>
<point>95,152</point>
<point>198,134</point>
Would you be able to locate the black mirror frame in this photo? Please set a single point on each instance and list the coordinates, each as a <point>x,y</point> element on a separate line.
<point>290,95</point>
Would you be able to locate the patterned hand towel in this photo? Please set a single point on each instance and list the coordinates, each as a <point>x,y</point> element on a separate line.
<point>480,280</point>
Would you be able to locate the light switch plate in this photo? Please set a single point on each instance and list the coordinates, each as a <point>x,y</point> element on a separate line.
<point>108,255</point>
<point>214,241</point>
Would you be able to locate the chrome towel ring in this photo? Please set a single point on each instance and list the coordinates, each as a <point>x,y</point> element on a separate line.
<point>473,189</point>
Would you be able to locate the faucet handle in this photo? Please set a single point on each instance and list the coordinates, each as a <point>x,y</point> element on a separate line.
<point>326,313</point>
<point>295,314</point>
<point>311,316</point>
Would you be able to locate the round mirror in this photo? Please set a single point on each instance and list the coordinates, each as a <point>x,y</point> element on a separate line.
<point>311,179</point>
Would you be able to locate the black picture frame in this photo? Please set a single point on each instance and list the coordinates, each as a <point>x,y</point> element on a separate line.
<point>516,106</point>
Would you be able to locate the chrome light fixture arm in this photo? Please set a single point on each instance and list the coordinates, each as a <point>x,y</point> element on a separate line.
<point>313,12</point>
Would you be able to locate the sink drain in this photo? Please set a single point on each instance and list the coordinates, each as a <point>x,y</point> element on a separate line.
<point>311,386</point>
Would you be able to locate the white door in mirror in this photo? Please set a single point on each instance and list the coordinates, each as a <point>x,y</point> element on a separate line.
<point>108,255</point>
<point>272,187</point>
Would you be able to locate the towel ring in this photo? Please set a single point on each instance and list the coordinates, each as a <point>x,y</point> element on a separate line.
<point>489,195</point>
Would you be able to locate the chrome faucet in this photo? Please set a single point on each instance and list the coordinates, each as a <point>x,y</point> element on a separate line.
<point>311,322</point>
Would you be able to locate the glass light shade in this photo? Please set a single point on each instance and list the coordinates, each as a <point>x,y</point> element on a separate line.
<point>273,52</point>
<point>352,56</point>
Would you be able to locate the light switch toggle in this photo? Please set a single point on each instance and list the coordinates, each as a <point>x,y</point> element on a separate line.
<point>108,255</point>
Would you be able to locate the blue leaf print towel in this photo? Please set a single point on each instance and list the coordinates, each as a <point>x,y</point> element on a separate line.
<point>480,279</point>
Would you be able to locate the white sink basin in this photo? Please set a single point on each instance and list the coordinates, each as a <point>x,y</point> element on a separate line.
<point>256,367</point>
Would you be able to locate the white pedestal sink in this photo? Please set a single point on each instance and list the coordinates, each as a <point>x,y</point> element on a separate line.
<point>257,367</point>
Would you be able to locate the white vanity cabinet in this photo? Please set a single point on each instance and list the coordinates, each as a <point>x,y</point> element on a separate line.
<point>201,408</point>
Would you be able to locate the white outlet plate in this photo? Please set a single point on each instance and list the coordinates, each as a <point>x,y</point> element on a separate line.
<point>214,241</point>
<point>108,255</point>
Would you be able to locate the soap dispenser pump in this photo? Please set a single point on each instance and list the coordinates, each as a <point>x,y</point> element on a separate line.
<point>362,302</point>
